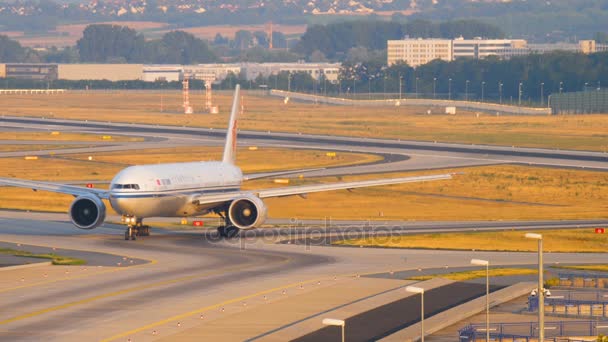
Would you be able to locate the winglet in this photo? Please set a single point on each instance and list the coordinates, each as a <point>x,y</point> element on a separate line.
<point>230,147</point>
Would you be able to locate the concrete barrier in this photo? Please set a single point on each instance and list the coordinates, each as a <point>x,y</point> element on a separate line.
<point>485,107</point>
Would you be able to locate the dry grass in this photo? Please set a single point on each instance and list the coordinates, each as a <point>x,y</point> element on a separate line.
<point>63,136</point>
<point>105,165</point>
<point>469,275</point>
<point>261,160</point>
<point>16,148</point>
<point>600,268</point>
<point>566,241</point>
<point>482,193</point>
<point>585,132</point>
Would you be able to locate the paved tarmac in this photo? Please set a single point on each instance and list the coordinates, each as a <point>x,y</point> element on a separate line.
<point>190,279</point>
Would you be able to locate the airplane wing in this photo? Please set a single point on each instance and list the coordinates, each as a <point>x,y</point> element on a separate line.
<point>53,187</point>
<point>277,173</point>
<point>306,189</point>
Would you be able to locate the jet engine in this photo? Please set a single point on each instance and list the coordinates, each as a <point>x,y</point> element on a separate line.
<point>247,212</point>
<point>87,212</point>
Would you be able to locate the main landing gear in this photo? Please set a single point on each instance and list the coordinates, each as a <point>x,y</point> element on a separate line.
<point>228,230</point>
<point>135,228</point>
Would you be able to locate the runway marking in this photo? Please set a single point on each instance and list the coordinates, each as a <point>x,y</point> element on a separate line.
<point>121,292</point>
<point>113,269</point>
<point>207,308</point>
<point>224,303</point>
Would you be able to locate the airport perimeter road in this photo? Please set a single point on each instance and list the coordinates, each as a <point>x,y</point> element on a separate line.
<point>423,155</point>
<point>190,282</point>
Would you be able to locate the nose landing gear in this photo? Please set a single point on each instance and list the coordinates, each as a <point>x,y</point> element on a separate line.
<point>135,228</point>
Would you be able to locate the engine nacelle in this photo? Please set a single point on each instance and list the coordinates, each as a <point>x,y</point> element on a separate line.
<point>247,212</point>
<point>87,212</point>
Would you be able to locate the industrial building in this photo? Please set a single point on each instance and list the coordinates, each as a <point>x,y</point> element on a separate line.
<point>30,71</point>
<point>109,72</point>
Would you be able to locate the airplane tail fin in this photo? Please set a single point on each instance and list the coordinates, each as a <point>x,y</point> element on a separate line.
<point>230,147</point>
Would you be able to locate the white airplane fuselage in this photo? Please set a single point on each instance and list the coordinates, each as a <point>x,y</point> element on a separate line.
<point>167,190</point>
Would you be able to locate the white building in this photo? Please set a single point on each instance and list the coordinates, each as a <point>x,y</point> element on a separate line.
<point>481,48</point>
<point>169,73</point>
<point>416,52</point>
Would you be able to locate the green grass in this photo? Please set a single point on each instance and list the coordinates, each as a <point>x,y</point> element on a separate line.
<point>468,275</point>
<point>55,259</point>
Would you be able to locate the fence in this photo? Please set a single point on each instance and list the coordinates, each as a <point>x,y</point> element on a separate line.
<point>581,102</point>
<point>582,279</point>
<point>491,108</point>
<point>566,331</point>
<point>563,306</point>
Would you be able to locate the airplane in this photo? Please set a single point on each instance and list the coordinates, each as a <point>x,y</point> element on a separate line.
<point>186,190</point>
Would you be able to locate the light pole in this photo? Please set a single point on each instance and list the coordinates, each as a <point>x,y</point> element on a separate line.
<point>519,101</point>
<point>500,91</point>
<point>561,87</point>
<point>336,323</point>
<point>414,289</point>
<point>417,87</point>
<point>384,91</point>
<point>449,88</point>
<point>486,263</point>
<point>483,88</point>
<point>542,94</point>
<point>541,288</point>
<point>434,87</point>
<point>289,82</point>
<point>400,86</point>
<point>466,90</point>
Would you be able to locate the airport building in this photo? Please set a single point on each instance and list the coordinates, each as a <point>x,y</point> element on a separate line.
<point>109,72</point>
<point>27,71</point>
<point>416,52</point>
<point>482,48</point>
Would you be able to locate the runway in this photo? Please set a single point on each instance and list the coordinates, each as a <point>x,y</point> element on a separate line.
<point>184,281</point>
<point>187,274</point>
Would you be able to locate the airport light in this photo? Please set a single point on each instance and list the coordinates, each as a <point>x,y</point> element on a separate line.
<point>541,289</point>
<point>449,88</point>
<point>400,85</point>
<point>434,87</point>
<point>483,87</point>
<point>486,263</point>
<point>561,86</point>
<point>542,94</point>
<point>466,90</point>
<point>417,87</point>
<point>500,91</point>
<point>414,289</point>
<point>520,91</point>
<point>335,323</point>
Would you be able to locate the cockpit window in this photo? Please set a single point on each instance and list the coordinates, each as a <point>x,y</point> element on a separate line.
<point>125,186</point>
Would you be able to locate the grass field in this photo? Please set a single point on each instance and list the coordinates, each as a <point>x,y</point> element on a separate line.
<point>584,132</point>
<point>596,268</point>
<point>482,193</point>
<point>105,165</point>
<point>575,240</point>
<point>63,136</point>
<point>468,275</point>
<point>16,148</point>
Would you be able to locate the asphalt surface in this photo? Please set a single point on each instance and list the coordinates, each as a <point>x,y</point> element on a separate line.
<point>185,273</point>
